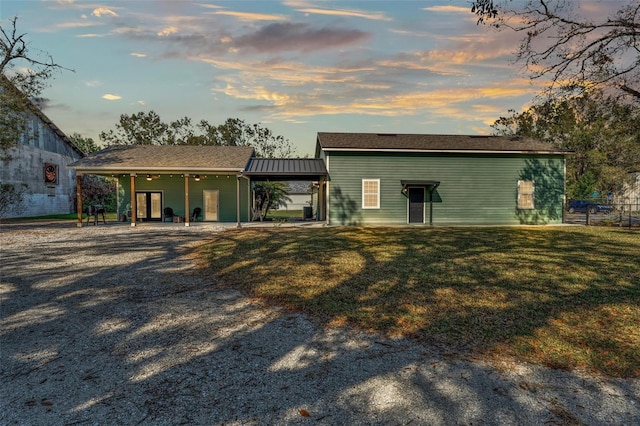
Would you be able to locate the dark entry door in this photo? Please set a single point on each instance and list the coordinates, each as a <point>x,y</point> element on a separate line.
<point>416,205</point>
<point>149,206</point>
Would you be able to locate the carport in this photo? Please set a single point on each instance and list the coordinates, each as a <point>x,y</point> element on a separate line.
<point>291,169</point>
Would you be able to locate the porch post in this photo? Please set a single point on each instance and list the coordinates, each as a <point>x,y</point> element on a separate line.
<point>134,207</point>
<point>238,200</point>
<point>79,199</point>
<point>322,199</point>
<point>187,215</point>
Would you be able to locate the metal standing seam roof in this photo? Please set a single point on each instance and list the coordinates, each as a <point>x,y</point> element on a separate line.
<point>286,167</point>
<point>166,157</point>
<point>434,143</point>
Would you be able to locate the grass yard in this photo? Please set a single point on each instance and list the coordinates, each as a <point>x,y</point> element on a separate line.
<point>565,297</point>
<point>285,214</point>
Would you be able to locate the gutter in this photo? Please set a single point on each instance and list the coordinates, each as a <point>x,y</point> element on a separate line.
<point>446,151</point>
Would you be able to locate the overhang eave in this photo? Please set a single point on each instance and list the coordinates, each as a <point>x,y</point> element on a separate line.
<point>154,170</point>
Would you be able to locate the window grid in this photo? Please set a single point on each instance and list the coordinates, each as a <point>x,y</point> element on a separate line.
<point>370,193</point>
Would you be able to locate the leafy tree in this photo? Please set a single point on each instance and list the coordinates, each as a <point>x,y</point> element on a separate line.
<point>95,189</point>
<point>267,145</point>
<point>603,132</point>
<point>86,145</point>
<point>147,128</point>
<point>269,195</point>
<point>18,88</point>
<point>139,129</point>
<point>575,52</point>
<point>99,190</point>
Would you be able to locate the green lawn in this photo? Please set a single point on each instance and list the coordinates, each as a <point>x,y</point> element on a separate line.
<point>285,214</point>
<point>564,297</point>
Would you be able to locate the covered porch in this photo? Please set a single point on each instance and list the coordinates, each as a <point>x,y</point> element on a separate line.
<point>181,183</point>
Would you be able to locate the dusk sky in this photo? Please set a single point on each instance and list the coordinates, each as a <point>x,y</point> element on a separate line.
<point>296,67</point>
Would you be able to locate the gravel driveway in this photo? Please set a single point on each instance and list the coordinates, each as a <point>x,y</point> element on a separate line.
<point>109,325</point>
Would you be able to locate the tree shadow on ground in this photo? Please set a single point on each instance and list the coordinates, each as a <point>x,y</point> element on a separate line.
<point>139,338</point>
<point>474,290</point>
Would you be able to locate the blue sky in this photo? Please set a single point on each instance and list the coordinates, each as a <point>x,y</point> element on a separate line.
<point>296,67</point>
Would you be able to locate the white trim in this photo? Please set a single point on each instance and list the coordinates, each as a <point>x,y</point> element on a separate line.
<point>377,193</point>
<point>533,195</point>
<point>448,151</point>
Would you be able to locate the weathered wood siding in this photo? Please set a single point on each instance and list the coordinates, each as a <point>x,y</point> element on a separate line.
<point>25,171</point>
<point>474,188</point>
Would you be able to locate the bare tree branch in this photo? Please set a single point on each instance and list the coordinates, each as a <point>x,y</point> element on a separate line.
<point>574,52</point>
<point>19,88</point>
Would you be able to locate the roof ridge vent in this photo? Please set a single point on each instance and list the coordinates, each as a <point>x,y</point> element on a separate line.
<point>387,134</point>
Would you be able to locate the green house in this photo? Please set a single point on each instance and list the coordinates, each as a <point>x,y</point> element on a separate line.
<point>441,179</point>
<point>360,179</point>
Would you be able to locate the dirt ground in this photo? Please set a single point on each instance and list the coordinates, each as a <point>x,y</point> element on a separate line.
<point>108,324</point>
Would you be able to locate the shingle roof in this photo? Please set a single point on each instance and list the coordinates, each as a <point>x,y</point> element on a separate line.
<point>287,167</point>
<point>416,142</point>
<point>165,158</point>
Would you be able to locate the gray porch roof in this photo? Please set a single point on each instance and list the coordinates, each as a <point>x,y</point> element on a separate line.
<point>390,142</point>
<point>160,158</point>
<point>286,168</point>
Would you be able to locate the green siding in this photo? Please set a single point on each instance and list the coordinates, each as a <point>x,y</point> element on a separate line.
<point>474,188</point>
<point>172,188</point>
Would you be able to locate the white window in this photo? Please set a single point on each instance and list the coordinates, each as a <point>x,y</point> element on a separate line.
<point>370,193</point>
<point>525,194</point>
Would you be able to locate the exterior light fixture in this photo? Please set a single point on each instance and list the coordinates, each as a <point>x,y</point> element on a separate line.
<point>197,178</point>
<point>148,177</point>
